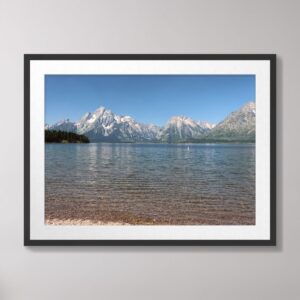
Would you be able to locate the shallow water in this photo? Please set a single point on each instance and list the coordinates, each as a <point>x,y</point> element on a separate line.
<point>151,183</point>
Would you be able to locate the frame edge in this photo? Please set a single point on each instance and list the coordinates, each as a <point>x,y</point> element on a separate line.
<point>269,242</point>
<point>26,150</point>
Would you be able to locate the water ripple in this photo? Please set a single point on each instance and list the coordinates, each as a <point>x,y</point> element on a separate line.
<point>151,183</point>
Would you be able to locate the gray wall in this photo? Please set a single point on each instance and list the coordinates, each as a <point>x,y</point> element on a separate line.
<point>153,26</point>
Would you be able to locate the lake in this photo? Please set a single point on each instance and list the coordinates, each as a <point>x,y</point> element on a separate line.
<point>180,184</point>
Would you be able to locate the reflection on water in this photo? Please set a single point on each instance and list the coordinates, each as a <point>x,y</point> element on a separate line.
<point>151,183</point>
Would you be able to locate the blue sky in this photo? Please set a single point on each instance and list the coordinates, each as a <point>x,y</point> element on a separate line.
<point>147,98</point>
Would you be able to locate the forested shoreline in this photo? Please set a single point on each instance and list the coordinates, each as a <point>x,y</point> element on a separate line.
<point>57,136</point>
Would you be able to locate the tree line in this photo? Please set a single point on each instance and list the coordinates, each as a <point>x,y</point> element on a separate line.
<point>54,136</point>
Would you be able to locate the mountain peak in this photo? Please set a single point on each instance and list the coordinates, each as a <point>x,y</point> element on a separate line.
<point>177,119</point>
<point>183,120</point>
<point>127,119</point>
<point>100,110</point>
<point>249,109</point>
<point>238,125</point>
<point>249,106</point>
<point>182,128</point>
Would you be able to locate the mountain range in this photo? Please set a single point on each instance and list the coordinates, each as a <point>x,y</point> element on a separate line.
<point>105,126</point>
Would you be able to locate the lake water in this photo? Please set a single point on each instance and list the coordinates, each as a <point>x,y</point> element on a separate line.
<point>150,183</point>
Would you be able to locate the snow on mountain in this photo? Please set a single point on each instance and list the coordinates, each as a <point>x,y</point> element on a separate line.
<point>181,128</point>
<point>101,122</point>
<point>104,125</point>
<point>239,125</point>
<point>206,125</point>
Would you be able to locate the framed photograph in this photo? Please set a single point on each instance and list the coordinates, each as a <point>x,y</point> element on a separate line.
<point>150,149</point>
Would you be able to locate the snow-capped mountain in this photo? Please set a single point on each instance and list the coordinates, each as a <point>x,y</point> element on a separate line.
<point>103,125</point>
<point>239,125</point>
<point>180,128</point>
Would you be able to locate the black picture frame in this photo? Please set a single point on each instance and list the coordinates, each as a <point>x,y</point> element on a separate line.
<point>31,57</point>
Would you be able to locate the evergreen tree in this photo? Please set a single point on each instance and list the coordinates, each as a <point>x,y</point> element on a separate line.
<point>54,136</point>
